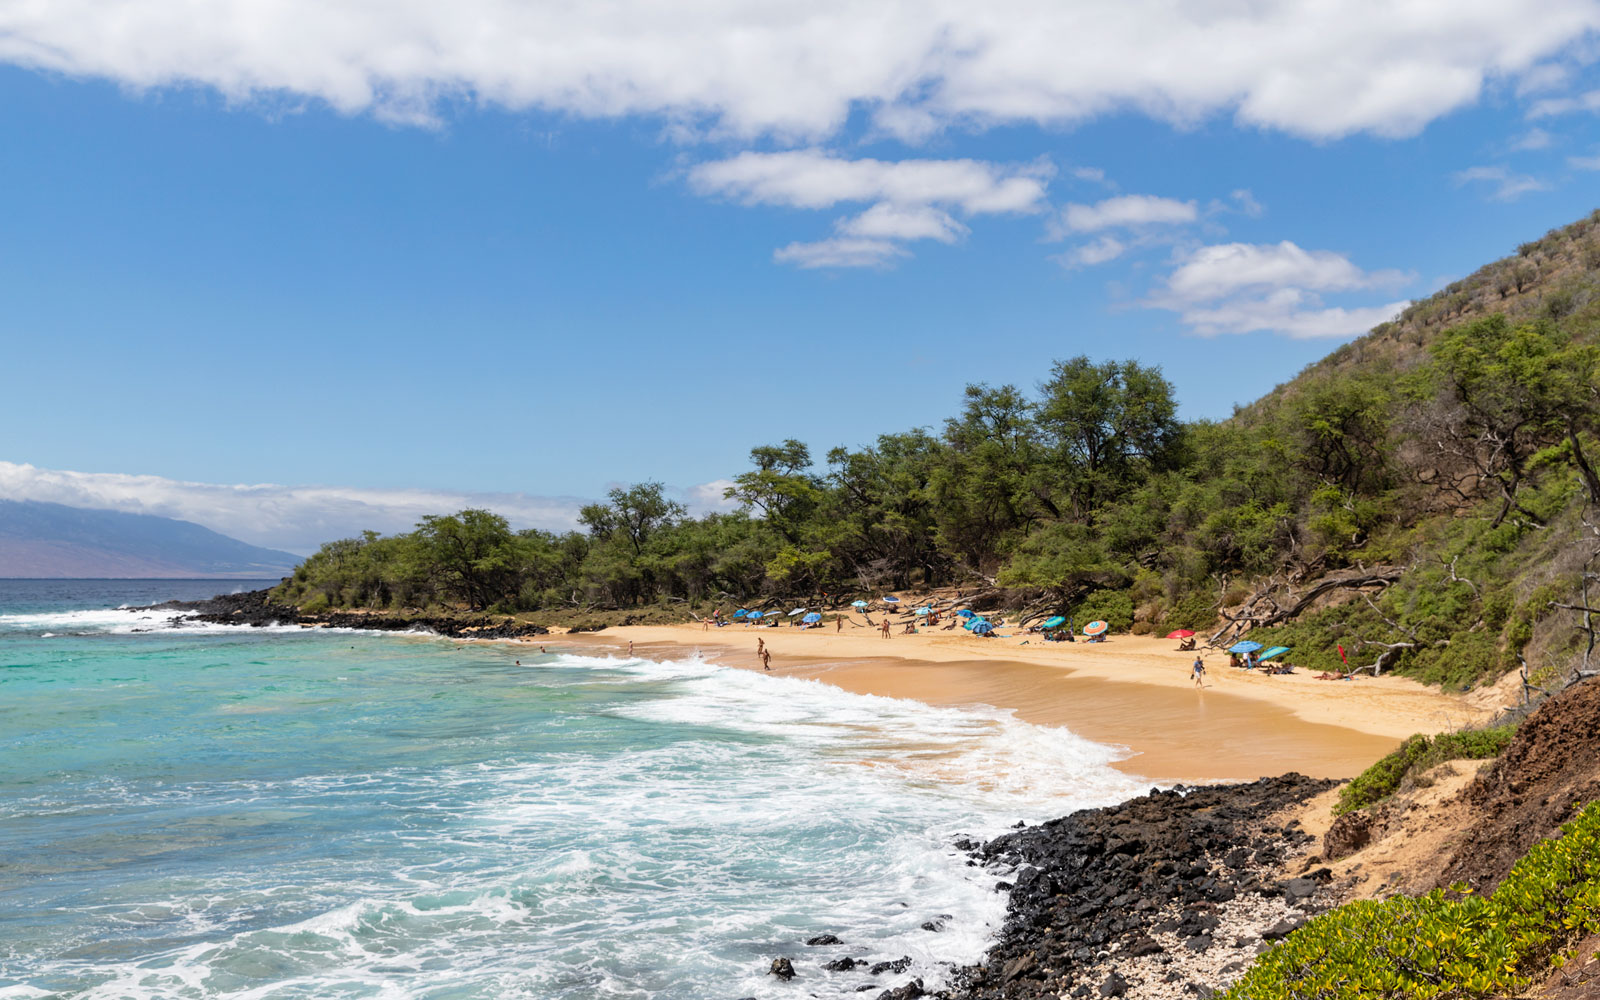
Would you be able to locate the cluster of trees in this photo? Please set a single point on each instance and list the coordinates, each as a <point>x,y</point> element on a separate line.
<point>1091,484</point>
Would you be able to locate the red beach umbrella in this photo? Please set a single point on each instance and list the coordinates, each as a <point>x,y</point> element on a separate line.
<point>1182,633</point>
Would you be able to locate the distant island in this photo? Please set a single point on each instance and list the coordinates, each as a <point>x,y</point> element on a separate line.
<point>54,541</point>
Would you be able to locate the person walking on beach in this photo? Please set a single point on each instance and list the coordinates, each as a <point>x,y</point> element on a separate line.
<point>630,649</point>
<point>766,659</point>
<point>838,623</point>
<point>1199,672</point>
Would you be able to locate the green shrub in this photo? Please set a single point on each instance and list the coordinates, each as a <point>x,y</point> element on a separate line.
<point>1418,754</point>
<point>1115,607</point>
<point>1434,946</point>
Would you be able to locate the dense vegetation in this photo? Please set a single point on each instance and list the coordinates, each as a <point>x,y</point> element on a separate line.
<point>1416,755</point>
<point>1415,498</point>
<point>1437,946</point>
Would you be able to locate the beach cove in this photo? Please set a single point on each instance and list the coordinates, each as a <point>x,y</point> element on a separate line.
<point>1131,691</point>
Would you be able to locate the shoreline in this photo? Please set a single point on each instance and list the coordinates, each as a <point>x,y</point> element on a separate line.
<point>1130,692</point>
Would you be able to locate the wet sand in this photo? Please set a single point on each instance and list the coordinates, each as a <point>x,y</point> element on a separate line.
<point>1131,692</point>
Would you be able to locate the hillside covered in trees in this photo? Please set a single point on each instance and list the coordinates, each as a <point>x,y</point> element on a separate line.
<point>1422,496</point>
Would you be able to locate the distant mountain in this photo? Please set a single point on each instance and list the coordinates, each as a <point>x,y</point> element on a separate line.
<point>50,540</point>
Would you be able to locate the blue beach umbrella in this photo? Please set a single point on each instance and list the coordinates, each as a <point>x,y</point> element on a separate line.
<point>890,599</point>
<point>967,613</point>
<point>858,604</point>
<point>1273,653</point>
<point>1055,622</point>
<point>740,613</point>
<point>812,617</point>
<point>982,628</point>
<point>1244,647</point>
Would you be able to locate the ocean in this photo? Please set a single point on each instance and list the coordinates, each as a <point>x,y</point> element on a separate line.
<point>194,811</point>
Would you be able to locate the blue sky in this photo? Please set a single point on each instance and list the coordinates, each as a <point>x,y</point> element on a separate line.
<point>386,264</point>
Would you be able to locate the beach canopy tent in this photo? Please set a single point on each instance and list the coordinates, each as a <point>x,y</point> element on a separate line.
<point>1244,647</point>
<point>982,628</point>
<point>922,611</point>
<point>1095,628</point>
<point>967,613</point>
<point>890,599</point>
<point>812,617</point>
<point>1055,622</point>
<point>1182,633</point>
<point>1273,653</point>
<point>858,604</point>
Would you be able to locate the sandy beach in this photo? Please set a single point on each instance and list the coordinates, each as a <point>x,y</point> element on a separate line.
<point>1130,691</point>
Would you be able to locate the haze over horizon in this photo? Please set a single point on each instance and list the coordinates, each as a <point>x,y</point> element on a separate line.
<point>514,255</point>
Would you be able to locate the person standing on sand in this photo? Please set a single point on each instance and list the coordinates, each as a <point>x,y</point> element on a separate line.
<point>761,647</point>
<point>1199,672</point>
<point>838,623</point>
<point>766,659</point>
<point>630,649</point>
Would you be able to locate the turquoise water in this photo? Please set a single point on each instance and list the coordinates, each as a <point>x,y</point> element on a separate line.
<point>220,812</point>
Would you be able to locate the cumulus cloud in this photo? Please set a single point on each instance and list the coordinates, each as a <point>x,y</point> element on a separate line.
<point>295,518</point>
<point>813,178</point>
<point>1584,162</point>
<point>1126,211</point>
<point>708,498</point>
<point>904,222</point>
<point>1245,287</point>
<point>1504,184</point>
<point>797,69</point>
<point>911,199</point>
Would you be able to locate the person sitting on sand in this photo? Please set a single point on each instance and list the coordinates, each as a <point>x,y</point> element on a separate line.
<point>1233,660</point>
<point>910,629</point>
<point>1186,645</point>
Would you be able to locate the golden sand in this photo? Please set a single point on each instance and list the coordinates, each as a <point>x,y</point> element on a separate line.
<point>1129,691</point>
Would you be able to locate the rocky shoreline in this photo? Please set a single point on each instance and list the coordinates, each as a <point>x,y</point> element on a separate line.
<point>256,608</point>
<point>1169,895</point>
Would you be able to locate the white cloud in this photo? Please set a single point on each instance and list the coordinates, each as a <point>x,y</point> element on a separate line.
<point>913,199</point>
<point>1103,250</point>
<point>1507,186</point>
<point>707,498</point>
<point>1584,162</point>
<point>815,179</point>
<point>1224,269</point>
<point>904,222</point>
<point>842,251</point>
<point>1244,288</point>
<point>1532,140</point>
<point>1291,312</point>
<point>296,518</point>
<point>1128,211</point>
<point>1552,106</point>
<point>1246,204</point>
<point>796,69</point>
